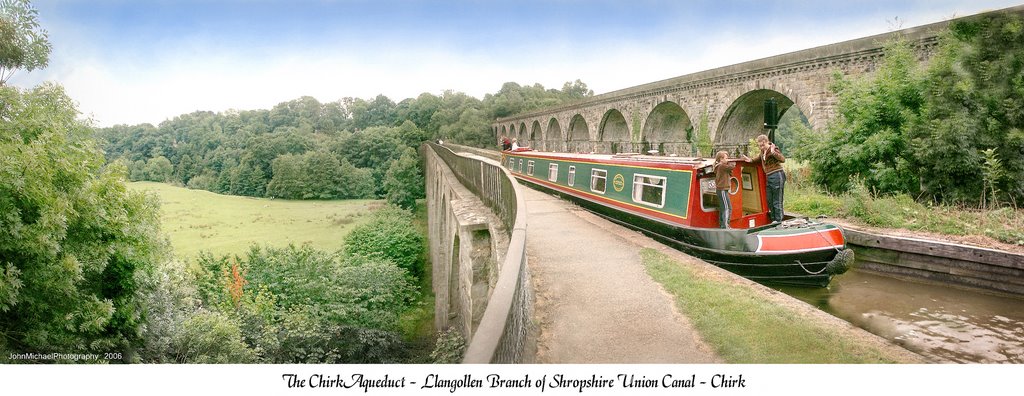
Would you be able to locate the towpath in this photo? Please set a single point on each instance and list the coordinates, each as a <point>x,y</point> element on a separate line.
<point>595,302</point>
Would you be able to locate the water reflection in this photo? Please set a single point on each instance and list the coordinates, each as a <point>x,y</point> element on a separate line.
<point>941,323</point>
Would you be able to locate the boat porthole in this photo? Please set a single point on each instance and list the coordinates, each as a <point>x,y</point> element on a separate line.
<point>734,186</point>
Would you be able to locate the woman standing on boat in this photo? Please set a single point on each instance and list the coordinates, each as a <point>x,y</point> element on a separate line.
<point>723,170</point>
<point>771,158</point>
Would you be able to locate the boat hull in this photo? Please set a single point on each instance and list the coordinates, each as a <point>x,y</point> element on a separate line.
<point>741,251</point>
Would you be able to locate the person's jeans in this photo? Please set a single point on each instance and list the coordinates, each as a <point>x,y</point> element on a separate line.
<point>776,189</point>
<point>724,208</point>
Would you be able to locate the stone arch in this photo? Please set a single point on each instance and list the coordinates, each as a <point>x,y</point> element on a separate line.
<point>536,134</point>
<point>511,131</point>
<point>553,137</point>
<point>786,136</point>
<point>744,118</point>
<point>667,122</point>
<point>554,131</point>
<point>578,129</point>
<point>504,132</point>
<point>613,127</point>
<point>523,135</point>
<point>454,305</point>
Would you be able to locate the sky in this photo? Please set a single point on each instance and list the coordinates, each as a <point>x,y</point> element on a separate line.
<point>131,62</point>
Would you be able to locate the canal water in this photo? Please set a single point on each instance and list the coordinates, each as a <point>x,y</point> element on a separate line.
<point>941,323</point>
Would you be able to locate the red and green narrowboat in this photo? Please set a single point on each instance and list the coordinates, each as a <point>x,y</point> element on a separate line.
<point>673,200</point>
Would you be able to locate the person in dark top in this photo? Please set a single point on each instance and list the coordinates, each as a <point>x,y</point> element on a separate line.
<point>505,143</point>
<point>771,158</point>
<point>723,171</point>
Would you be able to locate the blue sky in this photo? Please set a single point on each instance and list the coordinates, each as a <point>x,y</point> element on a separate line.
<point>130,61</point>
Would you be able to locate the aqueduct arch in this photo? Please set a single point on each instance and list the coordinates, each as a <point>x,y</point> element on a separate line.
<point>744,118</point>
<point>667,122</point>
<point>613,127</point>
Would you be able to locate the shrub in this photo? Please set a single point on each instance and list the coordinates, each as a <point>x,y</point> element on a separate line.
<point>390,235</point>
<point>206,181</point>
<point>305,338</point>
<point>210,337</point>
<point>169,303</point>
<point>450,348</point>
<point>301,305</point>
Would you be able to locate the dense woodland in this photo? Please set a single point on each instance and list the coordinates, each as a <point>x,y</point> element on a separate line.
<point>304,149</point>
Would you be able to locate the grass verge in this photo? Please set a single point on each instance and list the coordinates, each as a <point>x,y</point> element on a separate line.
<point>744,327</point>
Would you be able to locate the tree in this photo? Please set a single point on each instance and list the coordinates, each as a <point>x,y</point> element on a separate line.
<point>471,128</point>
<point>576,90</point>
<point>321,176</point>
<point>289,181</point>
<point>159,169</point>
<point>412,135</point>
<point>380,111</point>
<point>186,169</point>
<point>23,43</point>
<point>74,242</point>
<point>869,140</point>
<point>419,110</point>
<point>976,103</point>
<point>404,181</point>
<point>356,183</point>
<point>247,178</point>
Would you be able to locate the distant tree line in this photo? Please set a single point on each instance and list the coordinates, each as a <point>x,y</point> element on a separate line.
<point>949,131</point>
<point>304,149</point>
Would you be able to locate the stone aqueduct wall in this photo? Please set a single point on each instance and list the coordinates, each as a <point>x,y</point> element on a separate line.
<point>731,97</point>
<point>478,250</point>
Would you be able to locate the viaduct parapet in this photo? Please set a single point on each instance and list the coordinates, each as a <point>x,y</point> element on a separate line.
<point>477,224</point>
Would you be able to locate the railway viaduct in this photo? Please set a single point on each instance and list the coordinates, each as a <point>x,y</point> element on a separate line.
<point>667,115</point>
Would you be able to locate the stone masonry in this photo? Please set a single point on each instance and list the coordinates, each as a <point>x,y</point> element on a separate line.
<point>663,114</point>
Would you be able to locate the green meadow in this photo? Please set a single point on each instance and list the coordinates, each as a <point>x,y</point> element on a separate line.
<point>198,220</point>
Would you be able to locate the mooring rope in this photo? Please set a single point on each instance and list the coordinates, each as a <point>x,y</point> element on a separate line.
<point>823,268</point>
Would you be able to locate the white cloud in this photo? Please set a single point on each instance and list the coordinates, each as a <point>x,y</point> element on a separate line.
<point>199,73</point>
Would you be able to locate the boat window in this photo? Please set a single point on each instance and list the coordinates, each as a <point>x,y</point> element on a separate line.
<point>649,190</point>
<point>529,168</point>
<point>553,172</point>
<point>708,195</point>
<point>520,165</point>
<point>572,175</point>
<point>598,177</point>
<point>511,163</point>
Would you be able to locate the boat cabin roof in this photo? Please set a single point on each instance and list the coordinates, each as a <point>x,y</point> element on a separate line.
<point>667,161</point>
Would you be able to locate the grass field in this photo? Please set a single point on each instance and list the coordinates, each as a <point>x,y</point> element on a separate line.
<point>198,220</point>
